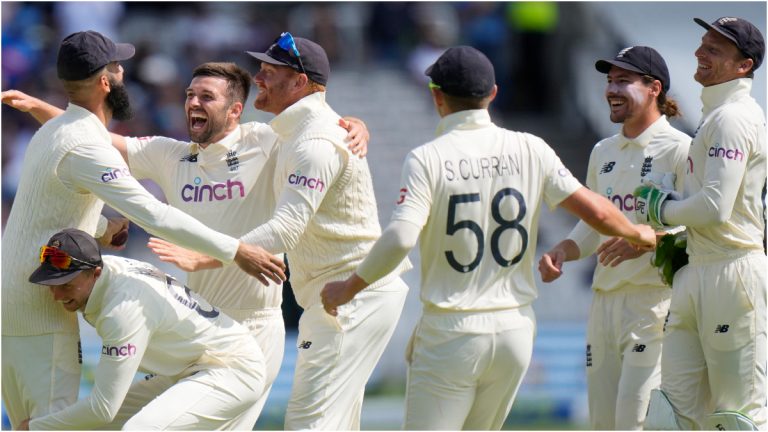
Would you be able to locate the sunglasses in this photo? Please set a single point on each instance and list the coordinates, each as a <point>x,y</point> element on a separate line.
<point>286,42</point>
<point>61,260</point>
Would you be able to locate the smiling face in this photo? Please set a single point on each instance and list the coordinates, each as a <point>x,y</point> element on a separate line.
<point>719,60</point>
<point>278,88</point>
<point>628,96</point>
<point>74,294</point>
<point>211,113</point>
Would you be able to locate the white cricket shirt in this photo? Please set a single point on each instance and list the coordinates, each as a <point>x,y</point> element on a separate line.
<point>70,169</point>
<point>617,166</point>
<point>723,206</point>
<point>151,323</point>
<point>477,191</point>
<point>228,186</point>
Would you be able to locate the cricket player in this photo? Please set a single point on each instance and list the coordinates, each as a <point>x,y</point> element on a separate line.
<point>713,371</point>
<point>326,220</point>
<point>206,370</point>
<point>70,169</point>
<point>473,196</point>
<point>630,301</point>
<point>224,179</point>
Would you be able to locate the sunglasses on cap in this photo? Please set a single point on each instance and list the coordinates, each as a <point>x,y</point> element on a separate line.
<point>286,42</point>
<point>62,260</point>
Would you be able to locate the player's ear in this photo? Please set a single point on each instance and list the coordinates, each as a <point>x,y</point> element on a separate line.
<point>236,109</point>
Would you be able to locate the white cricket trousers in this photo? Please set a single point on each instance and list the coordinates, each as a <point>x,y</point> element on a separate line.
<point>714,355</point>
<point>211,399</point>
<point>336,356</point>
<point>464,369</point>
<point>624,336</point>
<point>41,374</point>
<point>268,328</point>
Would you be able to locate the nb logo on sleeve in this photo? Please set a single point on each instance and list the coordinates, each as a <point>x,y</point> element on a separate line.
<point>721,328</point>
<point>638,348</point>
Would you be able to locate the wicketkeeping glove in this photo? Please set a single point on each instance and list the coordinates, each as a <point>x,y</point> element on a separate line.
<point>670,255</point>
<point>649,201</point>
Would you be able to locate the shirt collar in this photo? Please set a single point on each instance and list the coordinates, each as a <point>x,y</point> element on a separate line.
<point>299,114</point>
<point>469,119</point>
<point>647,135</point>
<point>719,94</point>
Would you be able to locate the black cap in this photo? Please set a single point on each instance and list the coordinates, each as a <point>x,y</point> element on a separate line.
<point>82,54</point>
<point>463,71</point>
<point>313,58</point>
<point>641,59</point>
<point>79,245</point>
<point>741,32</point>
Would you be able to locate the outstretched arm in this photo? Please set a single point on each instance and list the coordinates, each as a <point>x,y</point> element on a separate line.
<point>42,111</point>
<point>39,109</point>
<point>601,215</point>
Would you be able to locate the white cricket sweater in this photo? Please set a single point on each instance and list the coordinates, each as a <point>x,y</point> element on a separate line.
<point>43,207</point>
<point>326,214</point>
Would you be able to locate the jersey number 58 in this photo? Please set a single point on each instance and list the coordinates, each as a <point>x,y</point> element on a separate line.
<point>453,226</point>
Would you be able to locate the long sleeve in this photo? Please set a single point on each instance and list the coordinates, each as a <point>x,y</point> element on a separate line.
<point>389,250</point>
<point>103,172</point>
<point>299,201</point>
<point>113,377</point>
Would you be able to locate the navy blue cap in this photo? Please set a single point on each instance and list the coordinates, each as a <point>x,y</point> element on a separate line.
<point>741,32</point>
<point>463,71</point>
<point>641,59</point>
<point>313,58</point>
<point>82,54</point>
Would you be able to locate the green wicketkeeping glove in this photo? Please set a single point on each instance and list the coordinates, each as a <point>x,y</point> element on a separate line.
<point>648,203</point>
<point>670,255</point>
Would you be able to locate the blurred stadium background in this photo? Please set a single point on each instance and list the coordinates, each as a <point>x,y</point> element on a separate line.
<point>544,54</point>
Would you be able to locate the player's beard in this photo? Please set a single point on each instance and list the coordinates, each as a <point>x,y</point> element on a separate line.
<point>118,100</point>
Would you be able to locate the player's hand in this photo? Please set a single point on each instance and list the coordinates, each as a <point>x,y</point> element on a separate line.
<point>616,250</point>
<point>259,263</point>
<point>116,235</point>
<point>335,294</point>
<point>19,100</point>
<point>24,425</point>
<point>646,238</point>
<point>551,265</point>
<point>185,259</point>
<point>357,135</point>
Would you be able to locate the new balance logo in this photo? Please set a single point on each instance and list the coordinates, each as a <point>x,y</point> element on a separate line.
<point>305,344</point>
<point>666,321</point>
<point>638,348</point>
<point>721,328</point>
<point>189,158</point>
<point>607,167</point>
<point>720,426</point>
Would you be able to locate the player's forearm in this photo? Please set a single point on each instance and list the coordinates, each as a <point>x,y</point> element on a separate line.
<point>42,111</point>
<point>389,251</point>
<point>569,249</point>
<point>701,209</point>
<point>585,238</point>
<point>600,214</point>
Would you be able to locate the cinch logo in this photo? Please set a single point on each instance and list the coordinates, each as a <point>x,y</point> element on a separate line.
<point>121,351</point>
<point>114,173</point>
<point>726,153</point>
<point>311,183</point>
<point>214,192</point>
<point>623,203</point>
